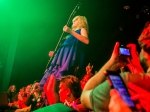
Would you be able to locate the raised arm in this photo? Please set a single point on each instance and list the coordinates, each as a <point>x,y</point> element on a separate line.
<point>100,77</point>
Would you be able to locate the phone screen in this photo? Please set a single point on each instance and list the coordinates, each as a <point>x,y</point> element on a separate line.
<point>124,51</point>
<point>119,85</point>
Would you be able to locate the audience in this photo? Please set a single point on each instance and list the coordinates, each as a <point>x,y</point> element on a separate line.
<point>22,98</point>
<point>144,42</point>
<point>21,95</point>
<point>12,98</point>
<point>35,99</point>
<point>97,94</point>
<point>11,93</point>
<point>27,98</point>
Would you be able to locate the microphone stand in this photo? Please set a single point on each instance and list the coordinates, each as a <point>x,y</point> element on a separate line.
<point>68,22</point>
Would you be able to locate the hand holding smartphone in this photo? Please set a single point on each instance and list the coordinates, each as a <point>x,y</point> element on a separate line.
<point>118,84</point>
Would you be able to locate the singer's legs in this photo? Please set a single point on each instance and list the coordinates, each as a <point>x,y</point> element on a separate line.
<point>51,90</point>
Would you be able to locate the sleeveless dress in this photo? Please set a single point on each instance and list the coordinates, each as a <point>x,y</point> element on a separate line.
<point>68,57</point>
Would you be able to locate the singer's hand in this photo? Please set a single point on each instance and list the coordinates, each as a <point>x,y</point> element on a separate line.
<point>51,53</point>
<point>66,29</point>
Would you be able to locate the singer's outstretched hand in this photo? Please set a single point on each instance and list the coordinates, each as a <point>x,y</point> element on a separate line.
<point>51,53</point>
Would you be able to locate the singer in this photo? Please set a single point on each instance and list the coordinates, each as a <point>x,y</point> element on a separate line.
<point>68,59</point>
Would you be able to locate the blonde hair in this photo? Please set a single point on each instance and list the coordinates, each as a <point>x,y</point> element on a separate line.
<point>82,22</point>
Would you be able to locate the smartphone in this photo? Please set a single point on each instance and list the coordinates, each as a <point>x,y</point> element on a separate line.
<point>124,51</point>
<point>118,84</point>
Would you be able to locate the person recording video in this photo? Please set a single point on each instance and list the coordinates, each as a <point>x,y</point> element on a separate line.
<point>95,95</point>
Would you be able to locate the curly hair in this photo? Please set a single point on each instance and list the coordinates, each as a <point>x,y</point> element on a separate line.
<point>144,38</point>
<point>73,84</point>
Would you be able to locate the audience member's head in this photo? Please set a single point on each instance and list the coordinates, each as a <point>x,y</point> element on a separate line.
<point>36,86</point>
<point>11,89</point>
<point>12,94</point>
<point>21,93</point>
<point>144,42</point>
<point>28,89</point>
<point>144,38</point>
<point>69,88</point>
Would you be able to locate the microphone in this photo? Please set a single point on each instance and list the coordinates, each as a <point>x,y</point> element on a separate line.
<point>74,11</point>
<point>79,5</point>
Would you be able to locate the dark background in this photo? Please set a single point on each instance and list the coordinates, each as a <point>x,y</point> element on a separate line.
<point>31,28</point>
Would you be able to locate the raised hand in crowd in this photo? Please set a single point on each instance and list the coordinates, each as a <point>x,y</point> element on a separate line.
<point>89,68</point>
<point>134,61</point>
<point>87,76</point>
<point>115,60</point>
<point>71,105</point>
